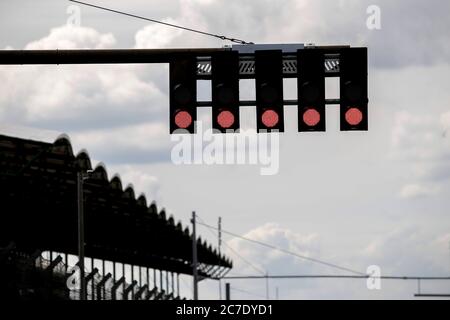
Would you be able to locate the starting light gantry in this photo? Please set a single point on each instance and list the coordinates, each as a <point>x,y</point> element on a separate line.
<point>268,65</point>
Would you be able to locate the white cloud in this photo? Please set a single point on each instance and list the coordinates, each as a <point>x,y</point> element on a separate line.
<point>410,251</point>
<point>416,135</point>
<point>140,143</point>
<point>421,140</point>
<point>344,185</point>
<point>156,36</point>
<point>142,182</point>
<point>421,40</point>
<point>83,96</point>
<point>417,190</point>
<point>269,260</point>
<point>29,132</point>
<point>445,121</point>
<point>71,37</point>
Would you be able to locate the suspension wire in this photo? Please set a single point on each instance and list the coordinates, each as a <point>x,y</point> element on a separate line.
<point>234,251</point>
<point>359,275</point>
<point>287,251</point>
<point>327,276</point>
<point>221,37</point>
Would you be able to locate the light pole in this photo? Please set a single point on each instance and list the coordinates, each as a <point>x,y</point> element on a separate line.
<point>194,257</point>
<point>81,235</point>
<point>82,174</point>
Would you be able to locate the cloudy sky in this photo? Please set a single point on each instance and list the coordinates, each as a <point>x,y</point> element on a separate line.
<point>353,199</point>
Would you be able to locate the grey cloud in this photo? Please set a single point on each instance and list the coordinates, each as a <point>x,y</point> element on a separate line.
<point>81,97</point>
<point>341,186</point>
<point>397,252</point>
<point>402,250</point>
<point>418,139</point>
<point>412,33</point>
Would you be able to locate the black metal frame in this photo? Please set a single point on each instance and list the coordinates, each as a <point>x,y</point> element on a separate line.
<point>143,56</point>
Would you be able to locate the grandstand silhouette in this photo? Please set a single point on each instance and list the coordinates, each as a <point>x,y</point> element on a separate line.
<point>38,194</point>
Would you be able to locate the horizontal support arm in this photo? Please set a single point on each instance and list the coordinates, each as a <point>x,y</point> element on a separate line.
<point>100,56</point>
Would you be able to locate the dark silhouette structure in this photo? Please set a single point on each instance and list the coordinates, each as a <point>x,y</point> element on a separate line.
<point>38,194</point>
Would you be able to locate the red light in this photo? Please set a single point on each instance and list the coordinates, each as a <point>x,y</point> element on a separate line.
<point>225,119</point>
<point>353,116</point>
<point>183,119</point>
<point>311,117</point>
<point>270,118</point>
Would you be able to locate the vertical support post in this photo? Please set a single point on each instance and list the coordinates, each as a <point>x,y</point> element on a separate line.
<point>114,271</point>
<point>92,281</point>
<point>167,282</point>
<point>194,257</point>
<point>103,275</point>
<point>227,291</point>
<point>219,235</point>
<point>132,279</point>
<point>173,285</point>
<point>81,235</point>
<point>140,276</point>
<point>154,278</point>
<point>148,279</point>
<point>178,284</point>
<point>161,280</point>
<point>123,275</point>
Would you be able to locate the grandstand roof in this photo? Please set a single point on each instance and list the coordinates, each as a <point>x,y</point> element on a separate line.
<point>38,192</point>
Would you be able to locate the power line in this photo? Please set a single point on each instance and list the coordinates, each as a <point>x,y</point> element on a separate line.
<point>202,222</point>
<point>313,276</point>
<point>432,295</point>
<point>245,260</point>
<point>288,252</point>
<point>229,247</point>
<point>164,23</point>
